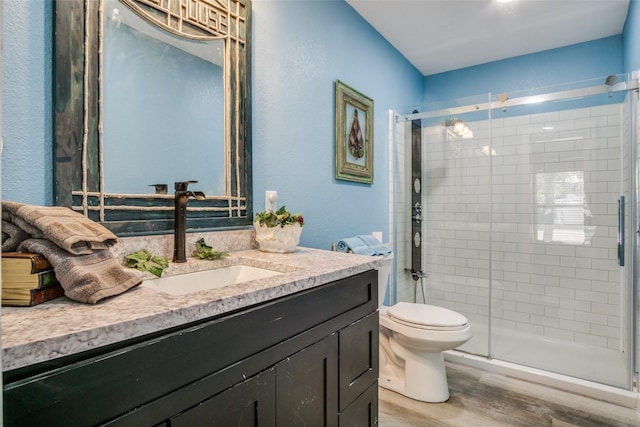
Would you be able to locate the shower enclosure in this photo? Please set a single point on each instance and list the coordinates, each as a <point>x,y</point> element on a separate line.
<point>519,211</point>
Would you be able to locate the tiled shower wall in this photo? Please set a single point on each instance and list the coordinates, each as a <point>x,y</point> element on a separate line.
<point>505,193</point>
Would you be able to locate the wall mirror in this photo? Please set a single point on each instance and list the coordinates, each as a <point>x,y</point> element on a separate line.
<point>148,93</point>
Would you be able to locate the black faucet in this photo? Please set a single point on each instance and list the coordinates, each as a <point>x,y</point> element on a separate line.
<point>182,196</point>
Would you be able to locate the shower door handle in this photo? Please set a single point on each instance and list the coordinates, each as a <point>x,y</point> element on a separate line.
<point>621,231</point>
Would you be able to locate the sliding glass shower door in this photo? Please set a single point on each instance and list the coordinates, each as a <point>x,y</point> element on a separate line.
<point>561,254</point>
<point>528,212</point>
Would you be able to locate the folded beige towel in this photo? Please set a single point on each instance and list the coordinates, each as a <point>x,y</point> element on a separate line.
<point>12,236</point>
<point>85,278</point>
<point>70,230</point>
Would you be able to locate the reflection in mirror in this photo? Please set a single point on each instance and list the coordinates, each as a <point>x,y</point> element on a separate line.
<point>152,93</point>
<point>173,129</point>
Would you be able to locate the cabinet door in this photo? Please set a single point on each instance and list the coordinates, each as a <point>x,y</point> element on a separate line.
<point>358,358</point>
<point>362,412</point>
<point>248,404</point>
<point>307,386</point>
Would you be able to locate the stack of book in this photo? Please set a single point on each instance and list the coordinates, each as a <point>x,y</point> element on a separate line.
<point>28,279</point>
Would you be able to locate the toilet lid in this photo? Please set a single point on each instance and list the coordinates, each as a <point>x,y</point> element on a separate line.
<point>426,315</point>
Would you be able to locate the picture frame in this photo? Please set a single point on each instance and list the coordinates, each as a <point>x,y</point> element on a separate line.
<point>354,135</point>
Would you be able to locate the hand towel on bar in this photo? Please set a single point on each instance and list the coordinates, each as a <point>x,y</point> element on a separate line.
<point>375,244</point>
<point>12,235</point>
<point>85,278</point>
<point>355,245</point>
<point>70,230</point>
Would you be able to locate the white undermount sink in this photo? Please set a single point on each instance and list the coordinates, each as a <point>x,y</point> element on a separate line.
<point>188,283</point>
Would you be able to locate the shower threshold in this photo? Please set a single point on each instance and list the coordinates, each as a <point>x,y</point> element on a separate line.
<point>594,390</point>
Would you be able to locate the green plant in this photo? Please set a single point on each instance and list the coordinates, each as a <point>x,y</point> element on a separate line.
<point>143,260</point>
<point>281,217</point>
<point>204,251</point>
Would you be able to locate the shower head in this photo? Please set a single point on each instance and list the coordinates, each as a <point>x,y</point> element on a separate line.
<point>451,122</point>
<point>611,80</point>
<point>458,128</point>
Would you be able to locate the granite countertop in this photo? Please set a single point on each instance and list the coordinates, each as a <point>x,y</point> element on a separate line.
<point>63,327</point>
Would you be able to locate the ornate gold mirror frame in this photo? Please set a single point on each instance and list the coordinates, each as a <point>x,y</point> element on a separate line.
<point>78,139</point>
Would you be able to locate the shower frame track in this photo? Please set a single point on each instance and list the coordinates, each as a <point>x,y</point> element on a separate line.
<point>524,100</point>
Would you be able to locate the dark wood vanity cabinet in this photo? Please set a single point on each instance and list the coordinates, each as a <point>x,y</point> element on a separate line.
<point>310,358</point>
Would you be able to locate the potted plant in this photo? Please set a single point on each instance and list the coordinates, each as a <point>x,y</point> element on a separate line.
<point>278,231</point>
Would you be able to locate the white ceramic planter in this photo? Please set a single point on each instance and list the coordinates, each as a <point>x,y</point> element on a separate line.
<point>278,239</point>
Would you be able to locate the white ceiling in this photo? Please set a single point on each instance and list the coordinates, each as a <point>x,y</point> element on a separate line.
<point>444,35</point>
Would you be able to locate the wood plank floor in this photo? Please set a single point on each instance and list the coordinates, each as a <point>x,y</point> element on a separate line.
<point>485,399</point>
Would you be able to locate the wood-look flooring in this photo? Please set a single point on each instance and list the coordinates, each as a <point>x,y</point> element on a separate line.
<point>485,399</point>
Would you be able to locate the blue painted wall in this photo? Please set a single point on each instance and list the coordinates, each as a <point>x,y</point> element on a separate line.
<point>27,175</point>
<point>300,49</point>
<point>631,39</point>
<point>583,61</point>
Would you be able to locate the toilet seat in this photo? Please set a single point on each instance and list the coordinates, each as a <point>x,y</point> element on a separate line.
<point>430,317</point>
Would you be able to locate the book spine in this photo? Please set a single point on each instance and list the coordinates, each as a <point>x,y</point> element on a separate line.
<point>39,296</point>
<point>46,278</point>
<point>39,263</point>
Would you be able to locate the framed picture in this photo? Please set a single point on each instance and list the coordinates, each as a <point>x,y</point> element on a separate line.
<point>354,135</point>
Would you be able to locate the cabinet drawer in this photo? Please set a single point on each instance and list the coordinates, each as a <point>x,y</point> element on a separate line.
<point>363,411</point>
<point>358,352</point>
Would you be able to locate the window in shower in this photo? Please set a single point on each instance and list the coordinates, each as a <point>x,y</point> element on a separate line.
<point>562,216</point>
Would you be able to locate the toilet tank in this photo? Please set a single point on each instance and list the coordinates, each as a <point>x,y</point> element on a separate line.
<point>385,279</point>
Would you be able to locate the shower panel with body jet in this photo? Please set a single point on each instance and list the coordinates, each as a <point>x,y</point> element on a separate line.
<point>416,207</point>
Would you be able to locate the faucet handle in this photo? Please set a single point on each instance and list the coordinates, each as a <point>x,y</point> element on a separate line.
<point>182,185</point>
<point>160,188</point>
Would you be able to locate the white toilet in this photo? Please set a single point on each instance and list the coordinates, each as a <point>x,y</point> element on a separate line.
<point>412,339</point>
